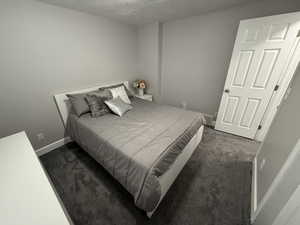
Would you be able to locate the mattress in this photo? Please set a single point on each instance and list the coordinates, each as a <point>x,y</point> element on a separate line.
<point>139,147</point>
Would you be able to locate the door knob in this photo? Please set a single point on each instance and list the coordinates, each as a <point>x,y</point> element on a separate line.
<point>226,90</point>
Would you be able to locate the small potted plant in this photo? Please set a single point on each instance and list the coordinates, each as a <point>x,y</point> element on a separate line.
<point>140,85</point>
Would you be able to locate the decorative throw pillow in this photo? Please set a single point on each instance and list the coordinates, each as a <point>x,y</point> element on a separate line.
<point>120,92</point>
<point>97,106</point>
<point>129,93</point>
<point>103,95</point>
<point>118,106</point>
<point>79,103</point>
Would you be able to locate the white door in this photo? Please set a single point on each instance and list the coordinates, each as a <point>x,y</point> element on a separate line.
<point>261,51</point>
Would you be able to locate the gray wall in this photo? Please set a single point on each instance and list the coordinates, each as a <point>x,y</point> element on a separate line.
<point>280,141</point>
<point>197,50</point>
<point>148,57</point>
<point>44,50</point>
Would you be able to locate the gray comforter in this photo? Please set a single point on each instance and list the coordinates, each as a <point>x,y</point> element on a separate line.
<point>139,147</point>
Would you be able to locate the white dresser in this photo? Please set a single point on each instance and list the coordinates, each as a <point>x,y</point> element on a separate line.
<point>26,195</point>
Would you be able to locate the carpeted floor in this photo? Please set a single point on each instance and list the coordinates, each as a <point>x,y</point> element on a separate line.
<point>214,188</point>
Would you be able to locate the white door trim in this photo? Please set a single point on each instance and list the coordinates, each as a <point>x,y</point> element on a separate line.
<point>254,187</point>
<point>284,82</point>
<point>247,104</point>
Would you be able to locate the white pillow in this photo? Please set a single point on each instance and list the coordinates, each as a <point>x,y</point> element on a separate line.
<point>120,92</point>
<point>118,106</point>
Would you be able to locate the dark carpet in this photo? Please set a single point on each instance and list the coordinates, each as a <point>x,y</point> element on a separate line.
<point>214,188</point>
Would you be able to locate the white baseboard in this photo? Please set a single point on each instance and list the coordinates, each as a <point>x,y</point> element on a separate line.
<point>52,146</point>
<point>254,190</point>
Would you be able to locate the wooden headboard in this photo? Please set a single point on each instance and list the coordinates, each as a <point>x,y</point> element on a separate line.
<point>63,104</point>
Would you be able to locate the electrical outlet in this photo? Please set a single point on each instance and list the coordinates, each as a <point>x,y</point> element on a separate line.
<point>262,164</point>
<point>183,104</point>
<point>41,136</point>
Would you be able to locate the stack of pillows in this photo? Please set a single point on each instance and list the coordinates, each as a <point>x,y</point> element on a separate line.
<point>114,99</point>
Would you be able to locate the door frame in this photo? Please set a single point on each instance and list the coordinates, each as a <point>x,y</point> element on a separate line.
<point>286,73</point>
<point>284,83</point>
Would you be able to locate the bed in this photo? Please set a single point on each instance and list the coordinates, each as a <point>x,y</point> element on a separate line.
<point>144,150</point>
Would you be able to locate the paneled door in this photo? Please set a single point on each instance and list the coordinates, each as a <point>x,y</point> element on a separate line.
<point>261,52</point>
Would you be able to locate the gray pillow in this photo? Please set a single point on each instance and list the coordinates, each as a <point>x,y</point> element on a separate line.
<point>96,105</point>
<point>103,95</point>
<point>118,85</point>
<point>79,103</point>
<point>118,106</point>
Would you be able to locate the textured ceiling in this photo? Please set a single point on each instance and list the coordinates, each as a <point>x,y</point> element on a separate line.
<point>140,12</point>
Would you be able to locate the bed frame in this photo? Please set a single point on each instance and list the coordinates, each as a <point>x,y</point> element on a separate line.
<point>168,178</point>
